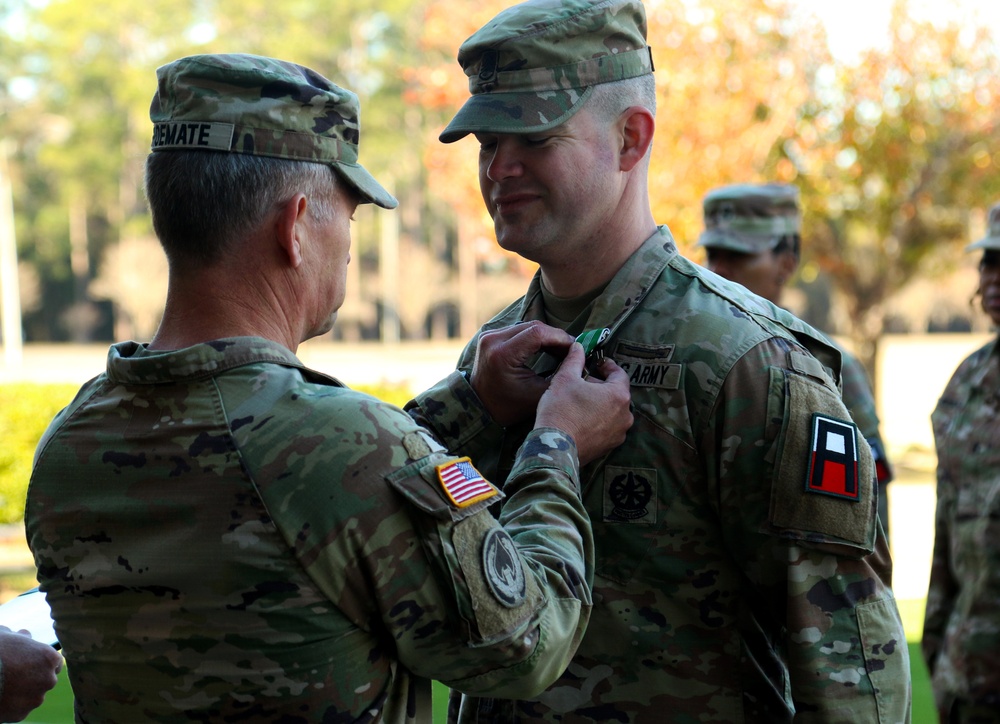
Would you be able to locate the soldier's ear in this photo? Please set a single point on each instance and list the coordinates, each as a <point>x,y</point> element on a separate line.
<point>636,126</point>
<point>289,228</point>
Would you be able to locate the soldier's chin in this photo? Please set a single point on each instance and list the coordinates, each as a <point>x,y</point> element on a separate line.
<point>325,327</point>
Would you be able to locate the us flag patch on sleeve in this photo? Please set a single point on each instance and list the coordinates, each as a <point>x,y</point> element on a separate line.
<point>833,458</point>
<point>463,484</point>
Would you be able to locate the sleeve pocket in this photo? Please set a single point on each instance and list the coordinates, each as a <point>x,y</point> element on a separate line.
<point>887,659</point>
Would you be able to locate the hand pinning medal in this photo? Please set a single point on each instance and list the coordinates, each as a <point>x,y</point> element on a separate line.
<point>593,341</point>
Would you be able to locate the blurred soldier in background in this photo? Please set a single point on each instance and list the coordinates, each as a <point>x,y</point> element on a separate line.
<point>752,236</point>
<point>961,640</point>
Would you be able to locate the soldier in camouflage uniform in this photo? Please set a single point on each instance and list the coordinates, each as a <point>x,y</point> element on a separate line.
<point>741,571</point>
<point>224,534</point>
<point>752,237</point>
<point>961,639</point>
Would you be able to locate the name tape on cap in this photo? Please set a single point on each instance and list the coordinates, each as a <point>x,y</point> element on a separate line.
<point>193,135</point>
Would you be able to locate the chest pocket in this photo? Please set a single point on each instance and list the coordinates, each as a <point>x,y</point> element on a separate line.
<point>628,494</point>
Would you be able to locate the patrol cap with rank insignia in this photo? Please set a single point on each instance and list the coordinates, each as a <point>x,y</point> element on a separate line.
<point>239,103</point>
<point>535,64</point>
<point>750,218</point>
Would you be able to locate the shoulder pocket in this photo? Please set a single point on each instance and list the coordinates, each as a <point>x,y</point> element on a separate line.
<point>420,484</point>
<point>823,488</point>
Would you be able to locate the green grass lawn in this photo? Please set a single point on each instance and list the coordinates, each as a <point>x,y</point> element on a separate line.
<point>58,706</point>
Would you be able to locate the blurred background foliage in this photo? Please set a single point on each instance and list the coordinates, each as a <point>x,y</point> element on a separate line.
<point>895,153</point>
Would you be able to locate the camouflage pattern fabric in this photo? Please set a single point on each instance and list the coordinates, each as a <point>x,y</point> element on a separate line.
<point>525,69</point>
<point>750,218</point>
<point>724,590</point>
<point>249,104</point>
<point>860,402</point>
<point>223,534</point>
<point>961,639</point>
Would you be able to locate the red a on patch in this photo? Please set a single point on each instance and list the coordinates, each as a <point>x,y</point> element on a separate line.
<point>833,459</point>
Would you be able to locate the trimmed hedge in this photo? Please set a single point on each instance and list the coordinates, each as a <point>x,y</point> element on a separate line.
<point>26,409</point>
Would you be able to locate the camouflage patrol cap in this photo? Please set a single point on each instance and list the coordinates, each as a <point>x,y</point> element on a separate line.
<point>261,106</point>
<point>750,218</point>
<point>991,241</point>
<point>532,66</point>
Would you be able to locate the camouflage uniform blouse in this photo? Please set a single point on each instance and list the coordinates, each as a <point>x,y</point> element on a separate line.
<point>724,589</point>
<point>860,402</point>
<point>961,640</point>
<point>224,534</point>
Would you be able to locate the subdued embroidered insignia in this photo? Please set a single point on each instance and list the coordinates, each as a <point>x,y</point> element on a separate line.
<point>833,458</point>
<point>488,70</point>
<point>629,495</point>
<point>463,484</point>
<point>503,570</point>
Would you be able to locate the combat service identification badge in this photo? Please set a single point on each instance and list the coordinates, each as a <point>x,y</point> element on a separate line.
<point>833,458</point>
<point>463,484</point>
<point>503,568</point>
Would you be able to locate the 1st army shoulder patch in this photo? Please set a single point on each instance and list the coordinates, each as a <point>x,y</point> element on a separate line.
<point>463,484</point>
<point>833,458</point>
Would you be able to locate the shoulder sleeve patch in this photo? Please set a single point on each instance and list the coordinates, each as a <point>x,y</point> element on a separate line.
<point>823,487</point>
<point>503,595</point>
<point>503,569</point>
<point>463,484</point>
<point>833,459</point>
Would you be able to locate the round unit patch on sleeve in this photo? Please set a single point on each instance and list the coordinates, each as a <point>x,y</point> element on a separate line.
<point>502,568</point>
<point>463,484</point>
<point>833,459</point>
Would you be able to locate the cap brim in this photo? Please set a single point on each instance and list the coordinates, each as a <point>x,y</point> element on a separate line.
<point>741,243</point>
<point>364,183</point>
<point>514,113</point>
<point>987,242</point>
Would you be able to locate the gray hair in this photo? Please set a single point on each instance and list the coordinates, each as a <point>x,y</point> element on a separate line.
<point>204,202</point>
<point>609,100</point>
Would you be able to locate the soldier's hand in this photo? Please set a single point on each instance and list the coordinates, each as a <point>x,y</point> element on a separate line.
<point>594,411</point>
<point>30,669</point>
<point>507,387</point>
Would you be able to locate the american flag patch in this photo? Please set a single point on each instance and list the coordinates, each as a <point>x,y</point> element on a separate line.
<point>463,484</point>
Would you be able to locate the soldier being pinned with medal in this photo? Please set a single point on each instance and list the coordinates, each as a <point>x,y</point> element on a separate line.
<point>741,574</point>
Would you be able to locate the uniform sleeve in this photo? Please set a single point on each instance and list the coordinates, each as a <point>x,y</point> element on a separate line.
<point>415,559</point>
<point>942,586</point>
<point>452,412</point>
<point>796,496</point>
<point>861,404</point>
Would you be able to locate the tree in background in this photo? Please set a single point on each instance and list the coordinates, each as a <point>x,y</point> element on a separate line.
<point>892,156</point>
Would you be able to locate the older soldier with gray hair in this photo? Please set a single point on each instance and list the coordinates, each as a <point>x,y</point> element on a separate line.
<point>741,572</point>
<point>224,534</point>
<point>753,237</point>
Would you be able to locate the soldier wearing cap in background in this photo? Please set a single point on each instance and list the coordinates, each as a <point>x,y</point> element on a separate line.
<point>961,638</point>
<point>741,571</point>
<point>223,534</point>
<point>752,237</point>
